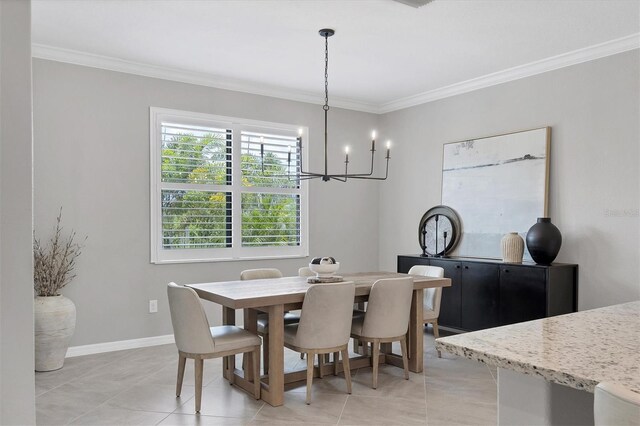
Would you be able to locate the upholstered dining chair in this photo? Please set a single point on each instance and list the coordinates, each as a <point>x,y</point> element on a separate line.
<point>614,404</point>
<point>386,319</point>
<point>432,296</point>
<point>196,340</point>
<point>324,327</point>
<point>263,318</point>
<point>305,271</point>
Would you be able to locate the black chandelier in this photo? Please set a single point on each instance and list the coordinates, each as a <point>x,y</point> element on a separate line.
<point>305,175</point>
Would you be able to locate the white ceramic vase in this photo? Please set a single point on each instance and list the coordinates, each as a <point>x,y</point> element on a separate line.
<point>512,248</point>
<point>54,324</point>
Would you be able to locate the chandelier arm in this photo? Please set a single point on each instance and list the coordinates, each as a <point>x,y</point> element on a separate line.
<point>386,174</point>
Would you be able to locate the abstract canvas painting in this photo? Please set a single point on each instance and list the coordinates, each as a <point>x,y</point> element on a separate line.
<point>497,185</point>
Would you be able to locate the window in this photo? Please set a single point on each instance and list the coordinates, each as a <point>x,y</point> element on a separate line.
<point>221,190</point>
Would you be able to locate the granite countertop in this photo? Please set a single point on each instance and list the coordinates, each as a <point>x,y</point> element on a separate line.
<point>577,350</point>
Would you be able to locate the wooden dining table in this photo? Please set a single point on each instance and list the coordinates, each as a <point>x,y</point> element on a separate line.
<point>276,296</point>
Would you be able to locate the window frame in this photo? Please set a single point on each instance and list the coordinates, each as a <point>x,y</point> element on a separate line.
<point>236,252</point>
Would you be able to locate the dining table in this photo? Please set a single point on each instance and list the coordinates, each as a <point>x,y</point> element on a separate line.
<point>275,296</point>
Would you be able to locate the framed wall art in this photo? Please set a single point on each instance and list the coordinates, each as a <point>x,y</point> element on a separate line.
<point>496,184</point>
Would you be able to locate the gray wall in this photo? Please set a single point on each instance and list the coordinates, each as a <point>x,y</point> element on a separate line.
<point>17,402</point>
<point>91,133</point>
<point>593,109</point>
<point>92,158</point>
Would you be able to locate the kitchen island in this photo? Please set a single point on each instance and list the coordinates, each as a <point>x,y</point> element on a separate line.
<point>548,368</point>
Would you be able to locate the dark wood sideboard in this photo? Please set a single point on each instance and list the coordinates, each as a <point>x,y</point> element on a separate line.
<point>487,293</point>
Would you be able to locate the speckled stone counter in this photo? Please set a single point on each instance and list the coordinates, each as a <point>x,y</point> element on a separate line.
<point>578,350</point>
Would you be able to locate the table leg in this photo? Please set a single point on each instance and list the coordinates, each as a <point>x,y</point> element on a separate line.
<point>229,362</point>
<point>250,324</point>
<point>275,394</point>
<point>416,338</point>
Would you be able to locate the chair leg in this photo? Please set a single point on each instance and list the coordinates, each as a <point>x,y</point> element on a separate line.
<point>436,334</point>
<point>255,360</point>
<point>405,360</point>
<point>265,353</point>
<point>310,357</point>
<point>336,358</point>
<point>320,363</point>
<point>375,356</point>
<point>370,351</point>
<point>182,361</point>
<point>347,369</point>
<point>199,364</point>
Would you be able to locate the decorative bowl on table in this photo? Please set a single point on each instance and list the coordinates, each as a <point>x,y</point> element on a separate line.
<point>324,266</point>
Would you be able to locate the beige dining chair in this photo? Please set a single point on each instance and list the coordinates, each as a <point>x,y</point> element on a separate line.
<point>432,296</point>
<point>614,404</point>
<point>324,327</point>
<point>305,271</point>
<point>386,319</point>
<point>197,340</point>
<point>263,318</point>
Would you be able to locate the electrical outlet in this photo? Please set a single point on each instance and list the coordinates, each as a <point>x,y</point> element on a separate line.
<point>153,306</point>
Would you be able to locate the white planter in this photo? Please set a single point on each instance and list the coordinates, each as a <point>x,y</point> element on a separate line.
<point>54,324</point>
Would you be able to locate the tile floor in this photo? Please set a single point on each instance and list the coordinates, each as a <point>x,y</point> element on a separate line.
<point>137,387</point>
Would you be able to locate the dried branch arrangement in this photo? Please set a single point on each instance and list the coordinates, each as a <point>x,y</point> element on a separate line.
<point>54,262</point>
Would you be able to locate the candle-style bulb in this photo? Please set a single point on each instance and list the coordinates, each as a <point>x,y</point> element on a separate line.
<point>346,149</point>
<point>388,144</point>
<point>300,132</point>
<point>373,135</point>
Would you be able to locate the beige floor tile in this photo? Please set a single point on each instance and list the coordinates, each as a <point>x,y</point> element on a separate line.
<point>329,384</point>
<point>444,410</point>
<point>324,409</point>
<point>200,420</point>
<point>130,370</point>
<point>224,400</point>
<point>367,410</point>
<point>75,368</point>
<point>66,402</point>
<point>279,423</point>
<point>168,375</point>
<point>118,416</point>
<point>137,386</point>
<point>152,397</point>
<point>391,384</point>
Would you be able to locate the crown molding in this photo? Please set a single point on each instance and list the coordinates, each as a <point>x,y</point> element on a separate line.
<point>76,57</point>
<point>575,57</point>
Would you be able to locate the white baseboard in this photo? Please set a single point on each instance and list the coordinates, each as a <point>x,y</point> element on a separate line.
<point>119,345</point>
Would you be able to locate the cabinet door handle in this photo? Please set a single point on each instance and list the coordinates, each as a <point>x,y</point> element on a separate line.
<point>466,267</point>
<point>506,270</point>
<point>457,266</point>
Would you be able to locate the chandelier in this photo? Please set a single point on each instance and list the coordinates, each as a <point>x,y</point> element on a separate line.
<point>326,176</point>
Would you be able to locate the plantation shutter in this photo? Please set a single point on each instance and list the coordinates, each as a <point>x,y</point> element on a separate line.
<point>196,168</point>
<point>270,192</point>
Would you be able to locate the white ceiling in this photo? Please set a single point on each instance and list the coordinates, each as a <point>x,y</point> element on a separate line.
<point>383,51</point>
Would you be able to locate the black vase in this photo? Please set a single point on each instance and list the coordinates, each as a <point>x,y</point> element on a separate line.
<point>543,241</point>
